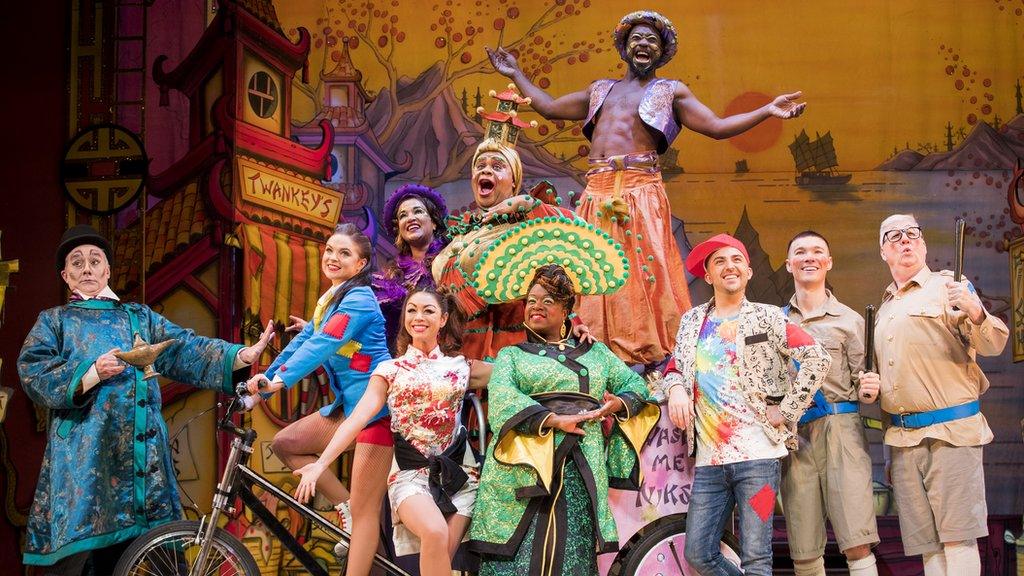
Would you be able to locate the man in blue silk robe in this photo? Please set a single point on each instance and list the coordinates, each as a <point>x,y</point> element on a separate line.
<point>107,474</point>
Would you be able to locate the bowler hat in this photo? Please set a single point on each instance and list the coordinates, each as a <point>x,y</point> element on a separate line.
<point>75,237</point>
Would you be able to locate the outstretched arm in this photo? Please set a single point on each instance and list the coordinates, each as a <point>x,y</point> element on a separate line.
<point>251,354</point>
<point>697,117</point>
<point>569,107</point>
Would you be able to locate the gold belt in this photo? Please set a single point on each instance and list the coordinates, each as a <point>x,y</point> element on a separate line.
<point>640,161</point>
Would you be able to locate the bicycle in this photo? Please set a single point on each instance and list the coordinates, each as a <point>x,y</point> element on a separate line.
<point>200,547</point>
<point>659,549</point>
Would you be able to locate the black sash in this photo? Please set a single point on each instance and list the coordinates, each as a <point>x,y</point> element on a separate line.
<point>446,475</point>
<point>566,403</point>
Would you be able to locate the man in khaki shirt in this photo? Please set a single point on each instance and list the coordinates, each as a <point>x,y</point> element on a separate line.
<point>830,474</point>
<point>930,329</point>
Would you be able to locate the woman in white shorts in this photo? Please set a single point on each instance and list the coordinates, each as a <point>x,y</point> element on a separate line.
<point>434,476</point>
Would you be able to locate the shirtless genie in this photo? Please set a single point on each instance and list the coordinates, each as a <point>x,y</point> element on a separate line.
<point>629,122</point>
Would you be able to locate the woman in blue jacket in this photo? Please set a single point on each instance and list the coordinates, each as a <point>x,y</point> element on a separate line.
<point>346,337</point>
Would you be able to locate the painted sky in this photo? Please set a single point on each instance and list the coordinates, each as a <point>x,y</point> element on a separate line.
<point>878,74</point>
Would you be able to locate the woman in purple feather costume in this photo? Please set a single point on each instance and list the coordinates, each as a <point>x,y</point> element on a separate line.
<point>415,215</point>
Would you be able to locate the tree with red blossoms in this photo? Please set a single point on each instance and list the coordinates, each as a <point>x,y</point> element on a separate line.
<point>462,28</point>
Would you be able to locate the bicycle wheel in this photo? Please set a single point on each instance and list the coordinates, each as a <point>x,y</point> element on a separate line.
<point>172,549</point>
<point>660,551</point>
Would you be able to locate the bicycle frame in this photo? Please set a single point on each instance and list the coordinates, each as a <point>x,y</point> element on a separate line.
<point>238,480</point>
<point>250,478</point>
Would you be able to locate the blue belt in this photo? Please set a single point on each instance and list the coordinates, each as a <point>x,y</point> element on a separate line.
<point>817,411</point>
<point>922,419</point>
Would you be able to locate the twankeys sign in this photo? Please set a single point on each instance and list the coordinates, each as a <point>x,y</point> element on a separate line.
<point>287,192</point>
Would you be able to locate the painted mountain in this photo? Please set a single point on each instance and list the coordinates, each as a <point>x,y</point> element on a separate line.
<point>769,285</point>
<point>441,137</point>
<point>983,149</point>
<point>1013,131</point>
<point>905,160</point>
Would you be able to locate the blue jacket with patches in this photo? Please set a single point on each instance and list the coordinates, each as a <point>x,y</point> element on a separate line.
<point>347,339</point>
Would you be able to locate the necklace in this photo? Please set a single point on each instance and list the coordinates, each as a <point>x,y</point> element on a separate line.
<point>562,344</point>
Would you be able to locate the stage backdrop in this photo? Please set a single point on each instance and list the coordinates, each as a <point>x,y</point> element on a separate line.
<point>913,106</point>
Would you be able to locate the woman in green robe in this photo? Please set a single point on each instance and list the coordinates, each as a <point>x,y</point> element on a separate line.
<point>542,506</point>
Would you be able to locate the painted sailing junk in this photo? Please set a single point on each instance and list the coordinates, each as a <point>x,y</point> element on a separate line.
<point>816,161</point>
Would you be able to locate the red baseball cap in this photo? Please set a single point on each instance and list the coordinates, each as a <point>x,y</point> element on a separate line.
<point>699,255</point>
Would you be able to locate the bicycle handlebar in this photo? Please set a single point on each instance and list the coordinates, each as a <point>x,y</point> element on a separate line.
<point>248,401</point>
<point>241,401</point>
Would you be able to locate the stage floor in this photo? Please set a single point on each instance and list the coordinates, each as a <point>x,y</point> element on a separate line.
<point>997,557</point>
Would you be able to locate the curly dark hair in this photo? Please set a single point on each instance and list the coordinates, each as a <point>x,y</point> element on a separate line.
<point>450,336</point>
<point>559,286</point>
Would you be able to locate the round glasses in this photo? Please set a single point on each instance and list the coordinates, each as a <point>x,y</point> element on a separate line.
<point>894,236</point>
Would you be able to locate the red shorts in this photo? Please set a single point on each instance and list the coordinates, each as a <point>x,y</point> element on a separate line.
<point>378,433</point>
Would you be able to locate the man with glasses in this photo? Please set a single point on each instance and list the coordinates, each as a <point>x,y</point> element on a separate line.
<point>829,476</point>
<point>930,329</point>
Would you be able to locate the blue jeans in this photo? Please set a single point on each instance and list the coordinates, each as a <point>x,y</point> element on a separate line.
<point>716,490</point>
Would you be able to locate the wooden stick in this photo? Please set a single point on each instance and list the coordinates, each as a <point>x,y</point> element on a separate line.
<point>869,338</point>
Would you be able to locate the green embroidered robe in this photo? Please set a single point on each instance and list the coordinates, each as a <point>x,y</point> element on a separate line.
<point>523,463</point>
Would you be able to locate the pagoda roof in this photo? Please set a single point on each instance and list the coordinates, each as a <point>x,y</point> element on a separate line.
<point>263,10</point>
<point>345,71</point>
<point>234,18</point>
<point>506,118</point>
<point>350,129</point>
<point>341,117</point>
<point>172,225</point>
<point>510,95</point>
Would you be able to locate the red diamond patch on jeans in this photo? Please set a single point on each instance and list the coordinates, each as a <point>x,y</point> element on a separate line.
<point>763,502</point>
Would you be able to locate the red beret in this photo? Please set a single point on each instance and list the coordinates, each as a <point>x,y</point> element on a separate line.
<point>700,253</point>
